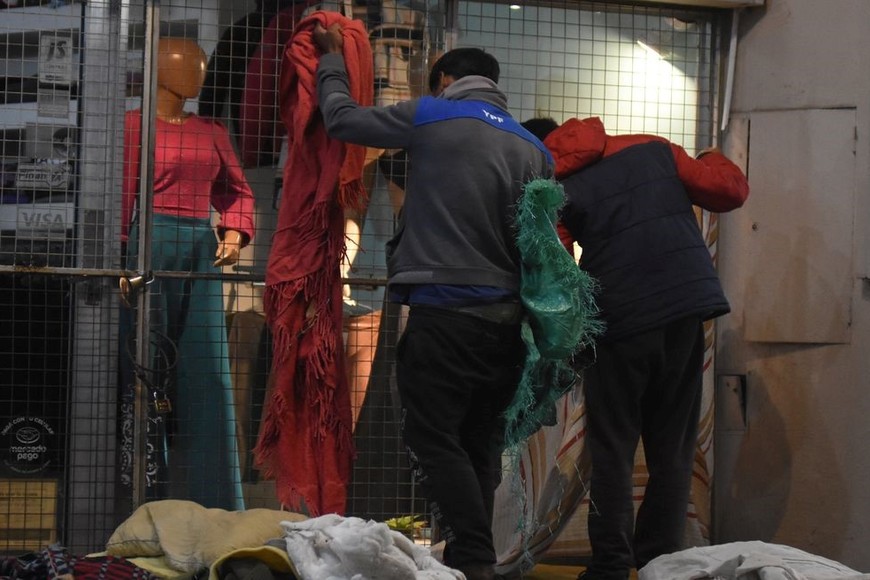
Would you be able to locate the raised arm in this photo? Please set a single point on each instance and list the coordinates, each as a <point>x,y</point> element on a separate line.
<point>385,127</point>
<point>712,181</point>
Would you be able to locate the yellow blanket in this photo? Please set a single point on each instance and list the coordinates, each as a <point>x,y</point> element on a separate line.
<point>176,538</point>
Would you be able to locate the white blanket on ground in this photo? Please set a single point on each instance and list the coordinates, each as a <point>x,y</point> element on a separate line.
<point>333,547</point>
<point>746,561</point>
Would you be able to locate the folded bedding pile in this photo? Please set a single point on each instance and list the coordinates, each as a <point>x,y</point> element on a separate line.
<point>181,540</point>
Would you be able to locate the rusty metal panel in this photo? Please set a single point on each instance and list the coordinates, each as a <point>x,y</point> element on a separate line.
<point>799,265</point>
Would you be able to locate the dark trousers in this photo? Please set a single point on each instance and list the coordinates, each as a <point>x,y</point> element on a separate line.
<point>456,375</point>
<point>648,387</point>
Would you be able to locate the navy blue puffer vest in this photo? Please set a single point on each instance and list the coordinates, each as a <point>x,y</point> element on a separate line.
<point>631,216</point>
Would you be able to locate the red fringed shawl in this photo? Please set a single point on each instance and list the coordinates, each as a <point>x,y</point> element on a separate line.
<point>305,443</point>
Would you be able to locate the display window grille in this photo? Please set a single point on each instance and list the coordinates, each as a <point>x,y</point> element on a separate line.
<point>136,360</point>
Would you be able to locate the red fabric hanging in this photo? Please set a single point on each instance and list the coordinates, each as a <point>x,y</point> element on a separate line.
<point>305,442</point>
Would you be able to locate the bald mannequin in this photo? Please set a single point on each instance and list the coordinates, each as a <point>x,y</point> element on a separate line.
<point>180,73</point>
<point>181,68</point>
<point>196,175</point>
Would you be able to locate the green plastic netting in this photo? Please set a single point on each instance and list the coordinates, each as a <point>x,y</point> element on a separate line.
<point>562,318</point>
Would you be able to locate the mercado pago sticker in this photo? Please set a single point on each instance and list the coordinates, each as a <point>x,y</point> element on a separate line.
<point>26,445</point>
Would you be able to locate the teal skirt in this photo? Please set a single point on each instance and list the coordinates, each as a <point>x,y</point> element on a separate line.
<point>194,454</point>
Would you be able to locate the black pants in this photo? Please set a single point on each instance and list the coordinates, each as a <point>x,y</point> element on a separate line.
<point>456,375</point>
<point>647,386</point>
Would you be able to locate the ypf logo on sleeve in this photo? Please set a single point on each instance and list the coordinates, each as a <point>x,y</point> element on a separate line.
<point>25,445</point>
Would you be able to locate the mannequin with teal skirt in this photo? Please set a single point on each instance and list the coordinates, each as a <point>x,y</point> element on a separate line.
<point>193,451</point>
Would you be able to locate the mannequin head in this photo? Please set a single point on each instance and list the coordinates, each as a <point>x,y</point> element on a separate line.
<point>181,66</point>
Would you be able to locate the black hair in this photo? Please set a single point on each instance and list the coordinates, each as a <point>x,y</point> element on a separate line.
<point>540,127</point>
<point>461,62</point>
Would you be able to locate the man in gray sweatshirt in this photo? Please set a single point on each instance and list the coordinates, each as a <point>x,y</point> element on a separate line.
<point>454,261</point>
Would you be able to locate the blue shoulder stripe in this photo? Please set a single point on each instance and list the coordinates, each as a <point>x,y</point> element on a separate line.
<point>433,110</point>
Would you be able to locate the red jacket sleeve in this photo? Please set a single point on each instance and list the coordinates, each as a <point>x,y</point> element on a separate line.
<point>713,182</point>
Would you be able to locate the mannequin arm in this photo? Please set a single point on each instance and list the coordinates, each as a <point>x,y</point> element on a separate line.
<point>228,248</point>
<point>227,254</point>
<point>352,235</point>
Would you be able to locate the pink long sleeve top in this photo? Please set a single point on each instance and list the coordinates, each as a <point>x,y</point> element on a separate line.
<point>195,169</point>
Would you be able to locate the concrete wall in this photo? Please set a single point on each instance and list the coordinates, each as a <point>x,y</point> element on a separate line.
<point>797,472</point>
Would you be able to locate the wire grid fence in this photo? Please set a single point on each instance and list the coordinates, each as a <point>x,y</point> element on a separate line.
<point>105,405</point>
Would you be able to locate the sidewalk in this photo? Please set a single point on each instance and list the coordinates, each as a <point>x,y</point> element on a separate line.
<point>552,572</point>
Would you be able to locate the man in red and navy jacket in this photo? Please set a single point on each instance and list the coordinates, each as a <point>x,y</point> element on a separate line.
<point>629,205</point>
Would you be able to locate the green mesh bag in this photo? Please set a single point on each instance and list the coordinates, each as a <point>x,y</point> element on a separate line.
<point>562,318</point>
<point>558,295</point>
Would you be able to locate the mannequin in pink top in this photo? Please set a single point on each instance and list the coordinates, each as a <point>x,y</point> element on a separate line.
<point>195,173</point>
<point>178,177</point>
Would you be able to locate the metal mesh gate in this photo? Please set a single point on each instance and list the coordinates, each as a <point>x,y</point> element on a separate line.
<point>105,405</point>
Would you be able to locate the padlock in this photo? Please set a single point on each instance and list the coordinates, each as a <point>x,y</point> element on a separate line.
<point>162,404</point>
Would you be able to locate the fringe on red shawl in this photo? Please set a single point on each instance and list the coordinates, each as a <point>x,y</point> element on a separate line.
<point>305,443</point>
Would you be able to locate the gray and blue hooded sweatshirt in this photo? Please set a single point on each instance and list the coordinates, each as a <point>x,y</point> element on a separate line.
<point>468,160</point>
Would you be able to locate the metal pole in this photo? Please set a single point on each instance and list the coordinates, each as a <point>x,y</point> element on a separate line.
<point>146,182</point>
<point>732,63</point>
